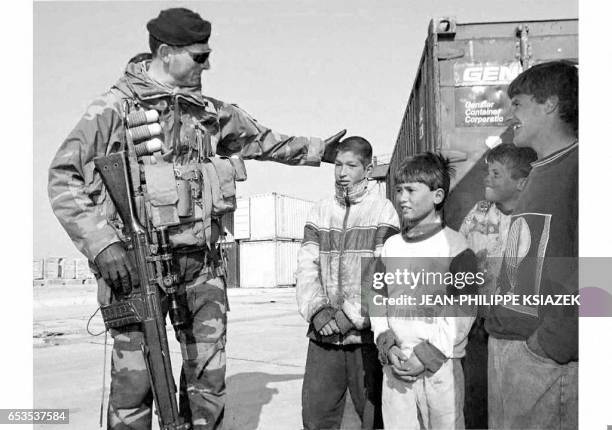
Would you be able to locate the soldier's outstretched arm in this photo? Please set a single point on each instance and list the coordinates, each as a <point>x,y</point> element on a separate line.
<point>75,191</point>
<point>241,134</point>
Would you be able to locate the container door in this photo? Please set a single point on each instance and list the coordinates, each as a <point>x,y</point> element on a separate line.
<point>286,262</point>
<point>263,216</point>
<point>476,64</point>
<point>242,216</point>
<point>257,264</point>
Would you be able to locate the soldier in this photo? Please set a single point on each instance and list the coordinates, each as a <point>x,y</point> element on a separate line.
<point>192,126</point>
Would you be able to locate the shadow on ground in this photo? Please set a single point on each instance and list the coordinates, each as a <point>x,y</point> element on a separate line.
<point>247,393</point>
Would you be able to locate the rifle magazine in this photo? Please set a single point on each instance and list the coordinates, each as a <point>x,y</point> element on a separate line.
<point>122,313</point>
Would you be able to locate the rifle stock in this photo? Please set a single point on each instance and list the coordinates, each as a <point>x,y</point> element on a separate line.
<point>144,305</point>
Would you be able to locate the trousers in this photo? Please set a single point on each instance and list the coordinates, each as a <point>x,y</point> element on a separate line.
<point>202,380</point>
<point>475,374</point>
<point>330,370</point>
<point>432,402</point>
<point>527,391</point>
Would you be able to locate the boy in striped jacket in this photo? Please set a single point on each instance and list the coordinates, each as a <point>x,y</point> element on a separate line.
<point>338,233</point>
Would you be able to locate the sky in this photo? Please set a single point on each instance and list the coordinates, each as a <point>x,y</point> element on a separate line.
<point>298,67</point>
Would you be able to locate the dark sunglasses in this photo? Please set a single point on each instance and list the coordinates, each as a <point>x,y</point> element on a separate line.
<point>199,58</point>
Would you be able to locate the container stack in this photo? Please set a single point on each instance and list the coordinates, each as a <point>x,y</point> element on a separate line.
<point>268,263</point>
<point>60,271</point>
<point>52,268</point>
<point>38,271</point>
<point>68,268</point>
<point>269,229</point>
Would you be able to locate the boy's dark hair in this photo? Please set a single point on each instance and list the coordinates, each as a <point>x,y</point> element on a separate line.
<point>154,43</point>
<point>555,78</point>
<point>431,169</point>
<point>517,159</point>
<point>358,146</point>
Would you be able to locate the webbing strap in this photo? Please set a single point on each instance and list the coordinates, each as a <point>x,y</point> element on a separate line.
<point>103,380</point>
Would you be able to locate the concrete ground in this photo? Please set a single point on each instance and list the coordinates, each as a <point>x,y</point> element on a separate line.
<point>266,353</point>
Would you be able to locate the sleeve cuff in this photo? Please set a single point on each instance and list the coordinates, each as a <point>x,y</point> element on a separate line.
<point>101,247</point>
<point>322,317</point>
<point>384,342</point>
<point>431,357</point>
<point>316,149</point>
<point>344,323</point>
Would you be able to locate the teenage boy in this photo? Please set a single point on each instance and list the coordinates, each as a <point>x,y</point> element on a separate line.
<point>486,228</point>
<point>533,350</point>
<point>341,352</point>
<point>423,378</point>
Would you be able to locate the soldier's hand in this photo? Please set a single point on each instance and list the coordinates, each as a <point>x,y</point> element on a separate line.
<point>331,145</point>
<point>117,269</point>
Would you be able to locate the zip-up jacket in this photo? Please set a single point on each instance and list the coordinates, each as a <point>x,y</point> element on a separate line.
<point>191,123</point>
<point>340,231</point>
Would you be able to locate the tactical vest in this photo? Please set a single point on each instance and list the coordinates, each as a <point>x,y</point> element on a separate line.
<point>187,186</point>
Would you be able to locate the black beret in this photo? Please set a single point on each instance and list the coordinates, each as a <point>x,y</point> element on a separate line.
<point>179,27</point>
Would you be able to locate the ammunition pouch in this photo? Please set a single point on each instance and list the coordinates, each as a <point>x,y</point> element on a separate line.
<point>123,312</point>
<point>188,198</point>
<point>162,194</point>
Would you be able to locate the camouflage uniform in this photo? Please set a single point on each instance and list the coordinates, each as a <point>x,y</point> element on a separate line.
<point>189,122</point>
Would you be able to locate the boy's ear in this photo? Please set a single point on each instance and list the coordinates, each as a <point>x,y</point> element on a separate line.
<point>438,196</point>
<point>551,104</point>
<point>163,52</point>
<point>368,169</point>
<point>521,184</point>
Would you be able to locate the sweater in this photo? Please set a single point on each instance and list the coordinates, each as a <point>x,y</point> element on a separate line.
<point>446,333</point>
<point>541,258</point>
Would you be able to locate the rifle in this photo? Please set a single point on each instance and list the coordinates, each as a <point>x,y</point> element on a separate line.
<point>143,305</point>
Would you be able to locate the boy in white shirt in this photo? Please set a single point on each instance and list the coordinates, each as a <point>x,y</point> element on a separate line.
<point>421,350</point>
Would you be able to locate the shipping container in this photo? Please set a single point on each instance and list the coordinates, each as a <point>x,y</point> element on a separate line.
<point>38,268</point>
<point>233,264</point>
<point>52,267</point>
<point>227,225</point>
<point>268,263</point>
<point>68,268</point>
<point>82,270</point>
<point>242,216</point>
<point>271,216</point>
<point>458,105</point>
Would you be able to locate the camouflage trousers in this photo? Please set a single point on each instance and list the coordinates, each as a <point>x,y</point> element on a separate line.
<point>202,382</point>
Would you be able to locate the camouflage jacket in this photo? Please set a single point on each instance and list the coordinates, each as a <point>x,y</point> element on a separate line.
<point>189,121</point>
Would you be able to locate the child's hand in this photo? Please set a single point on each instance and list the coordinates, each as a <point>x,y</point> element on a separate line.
<point>397,359</point>
<point>330,328</point>
<point>413,365</point>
